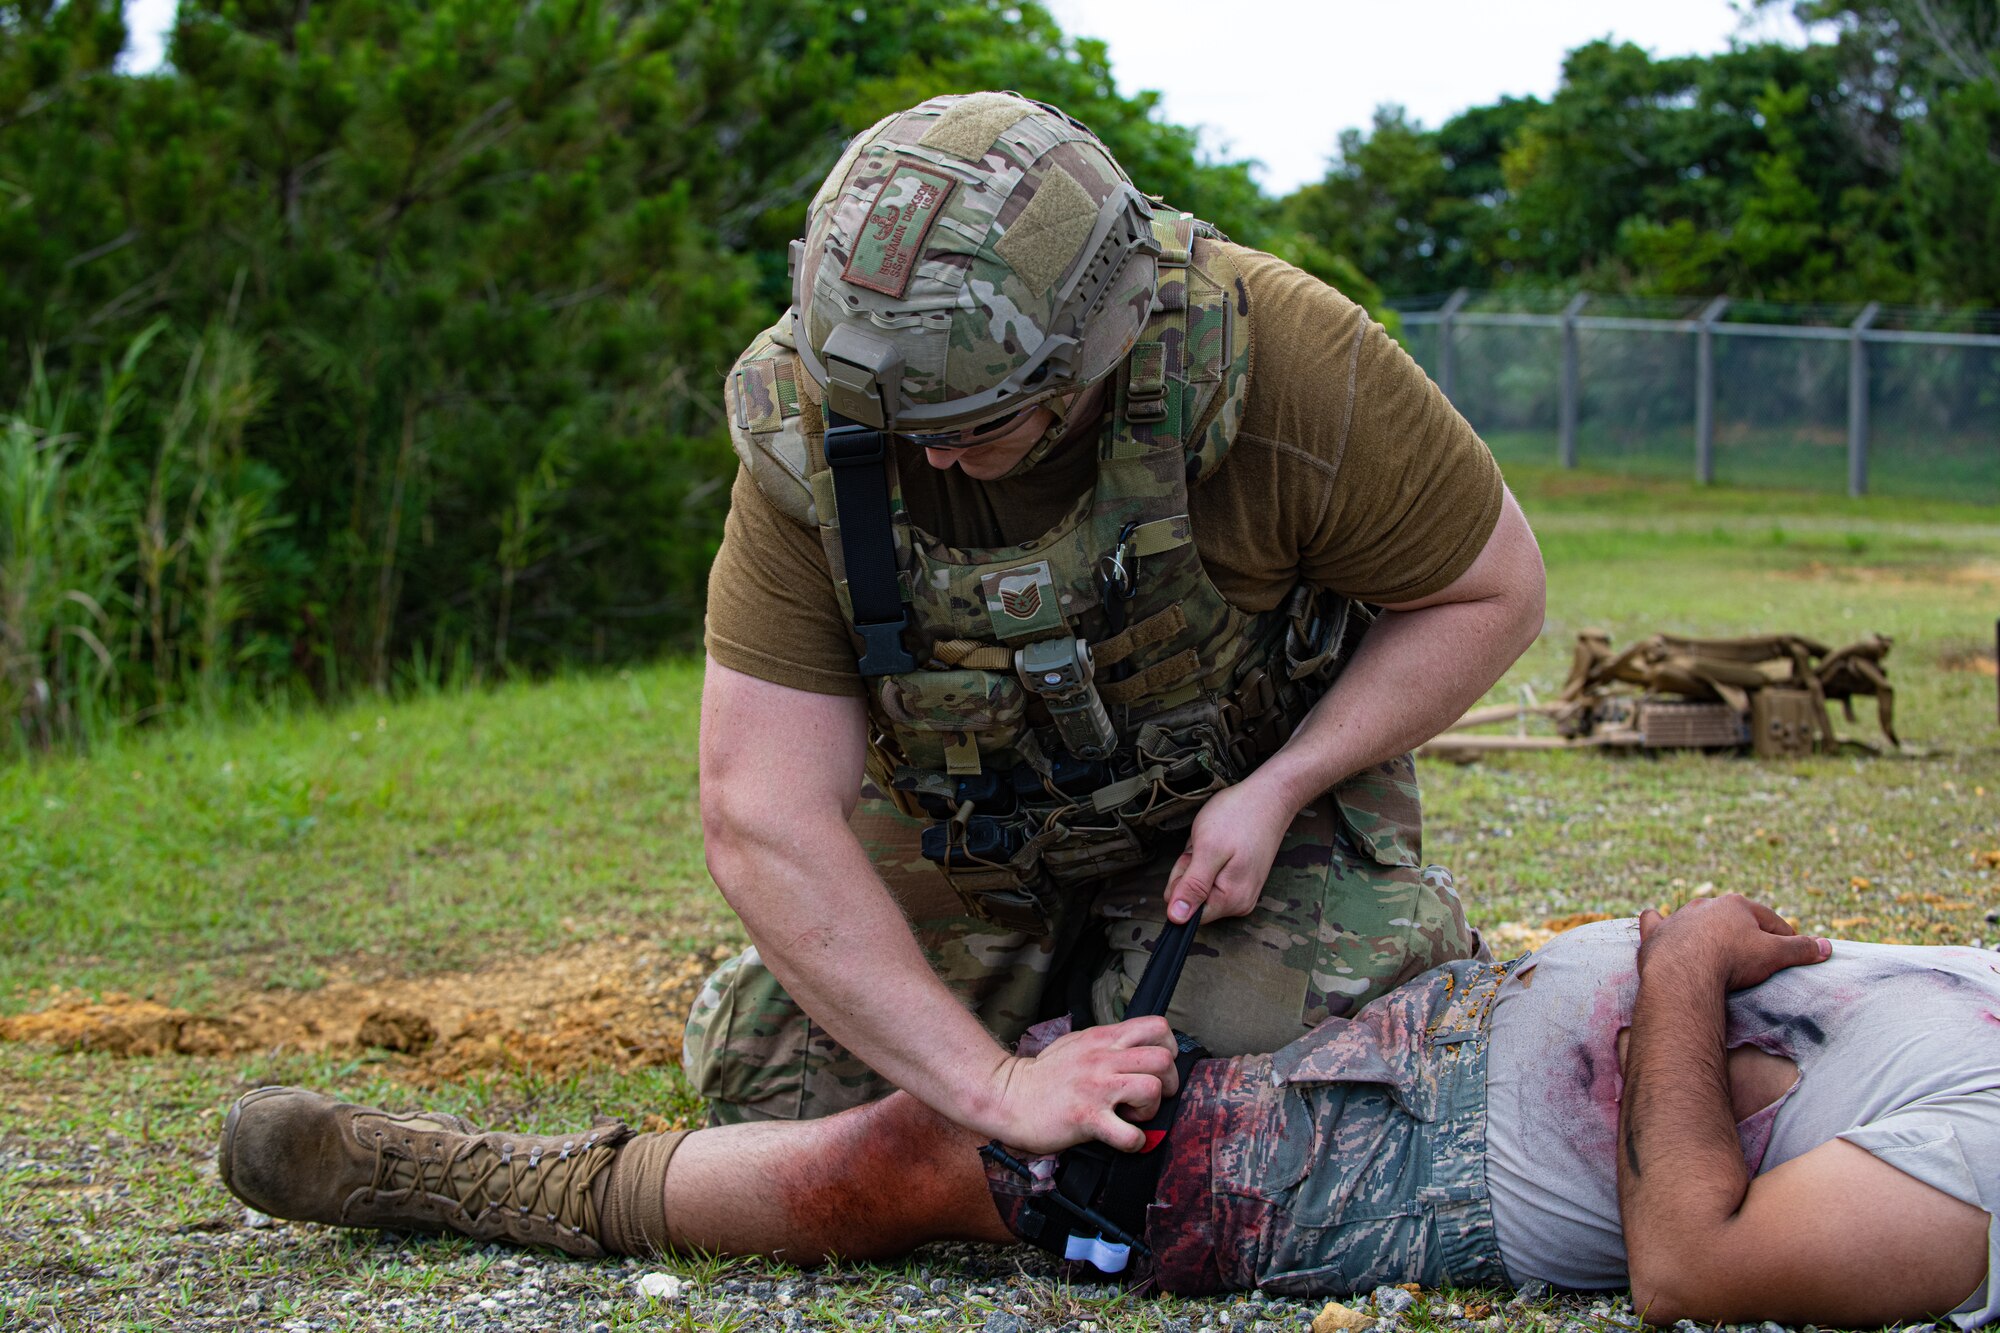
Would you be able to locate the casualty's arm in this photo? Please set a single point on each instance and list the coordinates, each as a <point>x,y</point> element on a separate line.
<point>1833,1236</point>
<point>780,772</point>
<point>1421,665</point>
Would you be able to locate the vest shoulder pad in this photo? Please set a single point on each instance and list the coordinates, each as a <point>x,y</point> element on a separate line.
<point>1177,232</point>
<point>771,426</point>
<point>1218,352</point>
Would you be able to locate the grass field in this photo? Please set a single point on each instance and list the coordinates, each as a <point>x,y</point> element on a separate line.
<point>287,869</point>
<point>1905,462</point>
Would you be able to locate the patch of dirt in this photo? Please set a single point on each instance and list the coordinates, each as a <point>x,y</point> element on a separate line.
<point>1517,937</point>
<point>1974,661</point>
<point>618,1002</point>
<point>1973,573</point>
<point>397,1030</point>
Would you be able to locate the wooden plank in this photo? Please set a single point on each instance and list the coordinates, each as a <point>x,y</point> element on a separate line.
<point>1487,716</point>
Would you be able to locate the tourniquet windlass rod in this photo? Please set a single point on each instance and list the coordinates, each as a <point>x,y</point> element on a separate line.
<point>1110,1230</point>
<point>1092,1181</point>
<point>1155,990</point>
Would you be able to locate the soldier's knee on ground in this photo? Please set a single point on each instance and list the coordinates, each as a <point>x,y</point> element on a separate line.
<point>1348,913</point>
<point>1388,916</point>
<point>1396,924</point>
<point>752,1053</point>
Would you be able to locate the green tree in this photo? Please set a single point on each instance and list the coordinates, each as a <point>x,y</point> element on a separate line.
<point>1686,175</point>
<point>1925,80</point>
<point>1951,182</point>
<point>477,270</point>
<point>1415,209</point>
<point>1931,83</point>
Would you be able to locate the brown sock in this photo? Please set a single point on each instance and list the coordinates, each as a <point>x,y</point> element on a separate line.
<point>632,1195</point>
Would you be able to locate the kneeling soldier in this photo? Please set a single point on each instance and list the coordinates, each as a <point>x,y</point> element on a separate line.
<point>1127,564</point>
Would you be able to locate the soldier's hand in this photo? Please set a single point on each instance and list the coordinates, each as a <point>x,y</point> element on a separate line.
<point>1741,941</point>
<point>1230,849</point>
<point>1092,1084</point>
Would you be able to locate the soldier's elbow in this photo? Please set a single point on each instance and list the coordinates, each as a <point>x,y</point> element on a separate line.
<point>1533,612</point>
<point>729,836</point>
<point>748,842</point>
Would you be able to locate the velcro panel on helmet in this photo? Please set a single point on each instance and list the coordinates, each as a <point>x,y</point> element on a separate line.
<point>969,127</point>
<point>1042,243</point>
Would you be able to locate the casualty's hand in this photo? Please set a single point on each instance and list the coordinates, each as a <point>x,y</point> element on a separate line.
<point>1744,943</point>
<point>1092,1084</point>
<point>1229,853</point>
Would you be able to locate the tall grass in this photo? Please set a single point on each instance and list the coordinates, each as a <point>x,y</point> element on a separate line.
<point>121,595</point>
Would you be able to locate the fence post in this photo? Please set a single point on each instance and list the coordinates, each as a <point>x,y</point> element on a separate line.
<point>1857,399</point>
<point>1566,409</point>
<point>1447,359</point>
<point>1704,390</point>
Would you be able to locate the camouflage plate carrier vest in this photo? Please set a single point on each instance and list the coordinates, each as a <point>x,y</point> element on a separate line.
<point>1197,692</point>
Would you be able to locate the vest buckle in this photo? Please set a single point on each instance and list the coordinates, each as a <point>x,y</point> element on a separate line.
<point>1146,383</point>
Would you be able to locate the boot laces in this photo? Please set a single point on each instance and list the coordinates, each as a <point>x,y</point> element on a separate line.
<point>551,1179</point>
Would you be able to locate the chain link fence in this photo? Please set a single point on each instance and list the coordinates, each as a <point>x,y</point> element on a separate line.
<point>1888,399</point>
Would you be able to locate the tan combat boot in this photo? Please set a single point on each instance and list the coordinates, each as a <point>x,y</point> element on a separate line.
<point>305,1157</point>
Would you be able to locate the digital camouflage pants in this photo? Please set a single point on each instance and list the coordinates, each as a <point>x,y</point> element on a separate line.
<point>1349,912</point>
<point>1352,1158</point>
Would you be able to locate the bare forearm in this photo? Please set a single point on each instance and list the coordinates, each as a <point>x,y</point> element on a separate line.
<point>780,769</point>
<point>1417,669</point>
<point>1420,666</point>
<point>1414,674</point>
<point>827,928</point>
<point>1681,1177</point>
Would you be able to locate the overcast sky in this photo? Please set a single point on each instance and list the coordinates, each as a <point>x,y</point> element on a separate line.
<point>1277,80</point>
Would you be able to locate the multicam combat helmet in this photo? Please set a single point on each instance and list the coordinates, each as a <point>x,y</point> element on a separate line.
<point>966,259</point>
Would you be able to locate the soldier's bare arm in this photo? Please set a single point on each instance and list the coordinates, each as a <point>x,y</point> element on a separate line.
<point>780,772</point>
<point>1834,1236</point>
<point>1420,666</point>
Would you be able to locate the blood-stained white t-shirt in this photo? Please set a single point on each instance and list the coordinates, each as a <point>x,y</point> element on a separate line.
<point>1898,1051</point>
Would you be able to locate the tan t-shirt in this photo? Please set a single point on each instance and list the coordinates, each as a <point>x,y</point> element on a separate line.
<point>1351,471</point>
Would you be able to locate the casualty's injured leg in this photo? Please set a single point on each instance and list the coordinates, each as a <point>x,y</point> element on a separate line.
<point>868,1183</point>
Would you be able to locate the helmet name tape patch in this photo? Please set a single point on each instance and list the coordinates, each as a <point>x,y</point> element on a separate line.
<point>892,237</point>
<point>1022,601</point>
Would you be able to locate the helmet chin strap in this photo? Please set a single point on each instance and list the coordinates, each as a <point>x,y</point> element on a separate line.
<point>1067,413</point>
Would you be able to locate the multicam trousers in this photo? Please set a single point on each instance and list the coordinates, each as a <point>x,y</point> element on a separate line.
<point>1349,912</point>
<point>1355,1156</point>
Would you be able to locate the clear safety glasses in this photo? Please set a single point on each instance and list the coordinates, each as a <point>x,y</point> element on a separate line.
<point>970,437</point>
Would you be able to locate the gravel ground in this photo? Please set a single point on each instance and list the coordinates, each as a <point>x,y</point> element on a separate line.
<point>117,1269</point>
<point>978,1290</point>
<point>111,1217</point>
